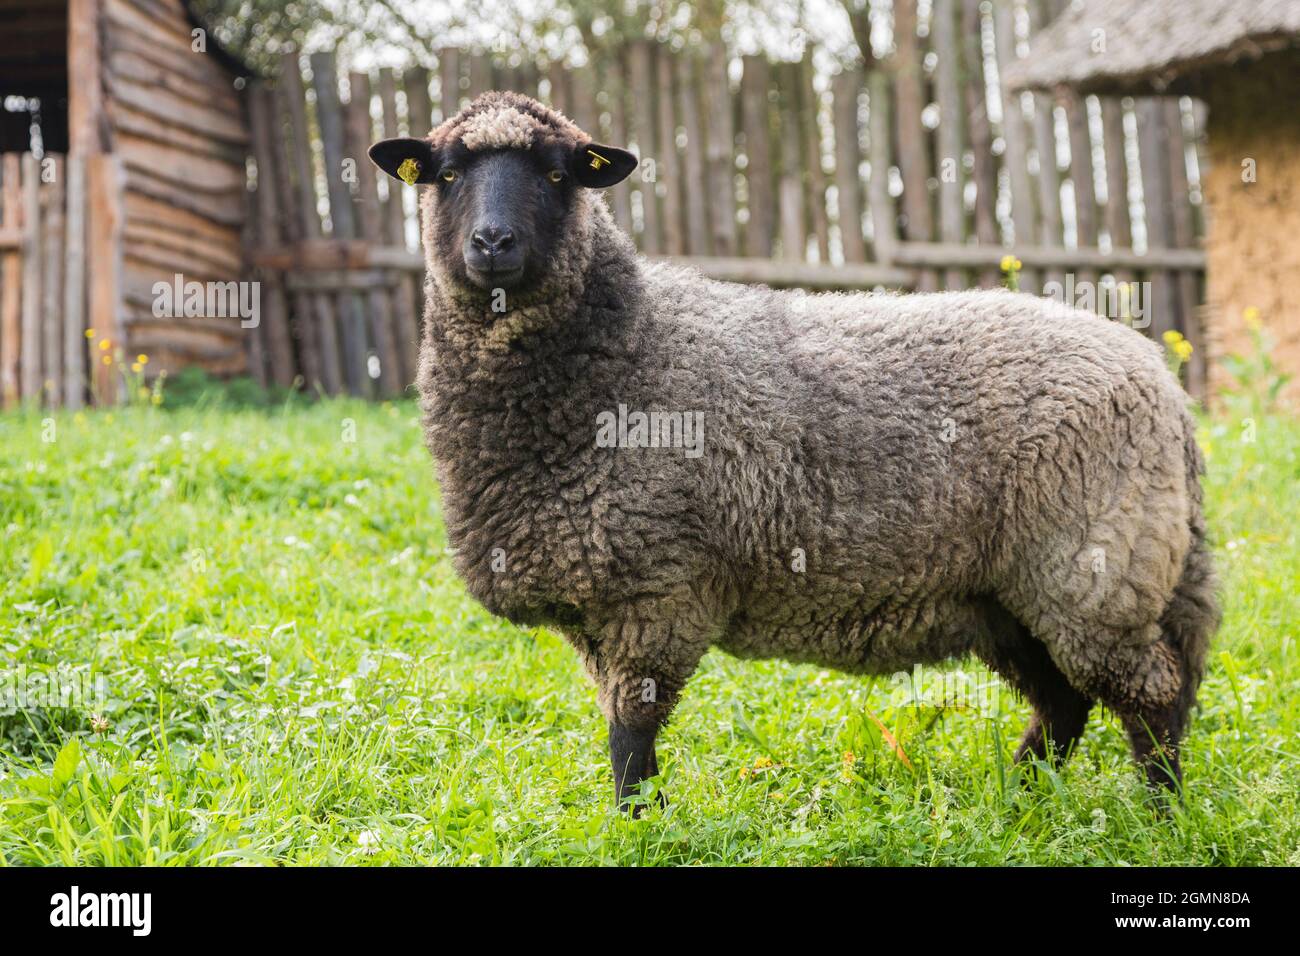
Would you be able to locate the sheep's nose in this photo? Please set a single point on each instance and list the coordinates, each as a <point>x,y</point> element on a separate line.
<point>492,240</point>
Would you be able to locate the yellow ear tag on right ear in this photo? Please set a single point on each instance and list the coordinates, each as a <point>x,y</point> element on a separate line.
<point>409,171</point>
<point>597,160</point>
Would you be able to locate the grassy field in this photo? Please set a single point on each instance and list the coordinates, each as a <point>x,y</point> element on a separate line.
<point>293,674</point>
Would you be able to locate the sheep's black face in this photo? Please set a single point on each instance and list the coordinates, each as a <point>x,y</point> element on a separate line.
<point>499,211</point>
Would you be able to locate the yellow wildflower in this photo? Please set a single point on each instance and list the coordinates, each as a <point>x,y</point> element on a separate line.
<point>1251,315</point>
<point>136,367</point>
<point>107,360</point>
<point>104,345</point>
<point>849,758</point>
<point>762,763</point>
<point>1172,337</point>
<point>744,772</point>
<point>142,359</point>
<point>1183,349</point>
<point>90,333</point>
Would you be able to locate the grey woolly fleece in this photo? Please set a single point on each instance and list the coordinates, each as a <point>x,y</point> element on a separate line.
<point>884,479</point>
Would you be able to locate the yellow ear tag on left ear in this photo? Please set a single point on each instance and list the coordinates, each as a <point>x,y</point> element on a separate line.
<point>597,160</point>
<point>409,171</point>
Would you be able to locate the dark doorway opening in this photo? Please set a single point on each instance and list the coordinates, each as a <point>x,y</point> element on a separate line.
<point>33,76</point>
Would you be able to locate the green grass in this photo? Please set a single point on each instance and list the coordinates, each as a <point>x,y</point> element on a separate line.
<point>295,675</point>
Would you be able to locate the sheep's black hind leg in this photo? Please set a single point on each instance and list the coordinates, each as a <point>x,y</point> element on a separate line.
<point>1060,711</point>
<point>632,753</point>
<point>1188,623</point>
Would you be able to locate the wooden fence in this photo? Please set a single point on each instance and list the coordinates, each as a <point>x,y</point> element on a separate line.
<point>43,346</point>
<point>913,172</point>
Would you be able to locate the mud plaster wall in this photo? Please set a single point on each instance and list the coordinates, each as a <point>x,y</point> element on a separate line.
<point>1253,237</point>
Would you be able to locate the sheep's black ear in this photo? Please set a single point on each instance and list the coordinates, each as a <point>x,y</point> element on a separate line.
<point>596,166</point>
<point>410,160</point>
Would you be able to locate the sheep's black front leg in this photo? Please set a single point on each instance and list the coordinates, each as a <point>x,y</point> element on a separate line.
<point>640,658</point>
<point>632,753</point>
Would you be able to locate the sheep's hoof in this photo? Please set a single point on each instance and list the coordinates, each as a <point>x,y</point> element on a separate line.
<point>1164,781</point>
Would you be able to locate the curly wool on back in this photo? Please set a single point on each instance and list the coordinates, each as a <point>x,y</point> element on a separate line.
<point>885,480</point>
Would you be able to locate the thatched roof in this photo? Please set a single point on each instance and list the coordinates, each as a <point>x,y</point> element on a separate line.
<point>1151,46</point>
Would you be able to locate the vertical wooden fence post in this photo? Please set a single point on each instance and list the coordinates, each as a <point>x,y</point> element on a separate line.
<point>613,83</point>
<point>694,168</point>
<point>448,83</point>
<point>845,87</point>
<point>558,78</point>
<point>11,272</point>
<point>793,214</point>
<point>359,134</point>
<point>1014,134</point>
<point>480,73</point>
<point>984,169</point>
<point>952,217</point>
<point>54,196</point>
<point>29,377</point>
<point>317,321</point>
<point>1184,237</point>
<point>586,112</point>
<point>419,105</point>
<point>641,81</point>
<point>1082,179</point>
<point>720,144</point>
<point>913,161</point>
<point>329,117</point>
<point>811,135</point>
<point>668,169</point>
<point>1049,180</point>
<point>1156,200</point>
<point>270,235</point>
<point>1118,223</point>
<point>756,122</point>
<point>74,286</point>
<point>884,219</point>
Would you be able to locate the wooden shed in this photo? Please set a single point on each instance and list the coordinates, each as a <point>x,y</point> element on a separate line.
<point>1243,61</point>
<point>125,136</point>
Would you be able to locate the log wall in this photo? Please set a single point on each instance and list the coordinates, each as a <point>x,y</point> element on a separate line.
<point>179,129</point>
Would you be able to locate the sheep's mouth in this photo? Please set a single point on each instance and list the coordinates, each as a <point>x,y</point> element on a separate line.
<point>493,278</point>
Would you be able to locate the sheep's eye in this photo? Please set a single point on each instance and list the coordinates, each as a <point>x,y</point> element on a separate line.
<point>556,175</point>
<point>448,175</point>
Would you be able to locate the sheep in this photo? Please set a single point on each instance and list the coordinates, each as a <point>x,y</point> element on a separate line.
<point>881,480</point>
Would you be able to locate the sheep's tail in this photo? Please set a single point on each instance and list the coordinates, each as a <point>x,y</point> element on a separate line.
<point>1193,614</point>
